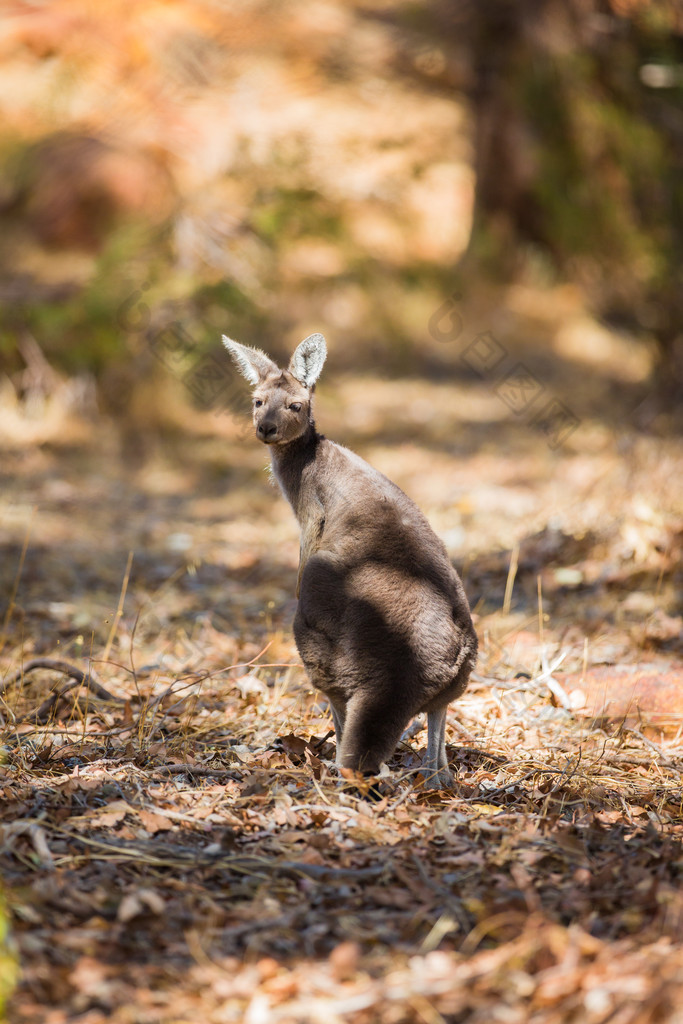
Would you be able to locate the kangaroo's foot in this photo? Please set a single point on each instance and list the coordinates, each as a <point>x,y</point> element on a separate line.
<point>442,778</point>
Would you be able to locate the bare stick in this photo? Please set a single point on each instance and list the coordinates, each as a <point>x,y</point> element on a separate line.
<point>88,678</point>
<point>243,864</point>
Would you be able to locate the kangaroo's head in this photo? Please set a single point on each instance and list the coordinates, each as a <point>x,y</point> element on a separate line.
<point>281,398</point>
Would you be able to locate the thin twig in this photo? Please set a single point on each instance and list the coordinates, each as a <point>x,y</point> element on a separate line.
<point>487,795</point>
<point>510,582</point>
<point>119,610</point>
<point>648,743</point>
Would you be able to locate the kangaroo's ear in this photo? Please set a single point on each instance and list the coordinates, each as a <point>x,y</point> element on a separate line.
<point>307,362</point>
<point>252,363</point>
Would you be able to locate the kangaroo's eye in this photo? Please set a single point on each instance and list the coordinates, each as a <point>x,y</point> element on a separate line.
<point>257,402</point>
<point>295,407</point>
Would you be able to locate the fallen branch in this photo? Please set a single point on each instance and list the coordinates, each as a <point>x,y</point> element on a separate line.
<point>80,678</point>
<point>88,678</point>
<point>201,771</point>
<point>624,757</point>
<point>638,759</point>
<point>158,855</point>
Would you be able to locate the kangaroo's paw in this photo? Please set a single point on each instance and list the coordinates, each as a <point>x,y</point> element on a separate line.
<point>440,779</point>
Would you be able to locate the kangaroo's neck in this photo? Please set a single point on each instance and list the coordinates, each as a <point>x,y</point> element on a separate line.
<point>289,462</point>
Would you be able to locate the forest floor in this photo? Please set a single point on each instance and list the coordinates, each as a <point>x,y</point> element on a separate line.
<point>183,851</point>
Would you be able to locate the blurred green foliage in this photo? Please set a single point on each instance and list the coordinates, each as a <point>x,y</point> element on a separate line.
<point>282,215</point>
<point>9,971</point>
<point>579,161</point>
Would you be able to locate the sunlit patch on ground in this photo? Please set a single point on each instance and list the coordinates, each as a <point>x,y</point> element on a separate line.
<point>183,849</point>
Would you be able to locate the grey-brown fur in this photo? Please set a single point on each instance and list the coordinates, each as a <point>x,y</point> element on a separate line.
<point>382,625</point>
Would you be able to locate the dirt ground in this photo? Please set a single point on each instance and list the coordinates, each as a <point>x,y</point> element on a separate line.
<point>178,848</point>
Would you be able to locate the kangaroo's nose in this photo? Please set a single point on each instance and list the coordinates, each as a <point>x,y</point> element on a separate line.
<point>266,430</point>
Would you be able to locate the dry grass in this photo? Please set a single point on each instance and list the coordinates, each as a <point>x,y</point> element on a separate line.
<point>191,854</point>
<point>177,846</point>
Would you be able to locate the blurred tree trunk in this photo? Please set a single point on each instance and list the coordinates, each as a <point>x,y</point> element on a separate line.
<point>505,164</point>
<point>579,138</point>
<point>578,110</point>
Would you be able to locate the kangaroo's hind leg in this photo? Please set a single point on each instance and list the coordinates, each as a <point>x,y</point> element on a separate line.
<point>437,774</point>
<point>338,717</point>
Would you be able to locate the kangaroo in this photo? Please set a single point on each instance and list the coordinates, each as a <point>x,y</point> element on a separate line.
<point>382,624</point>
